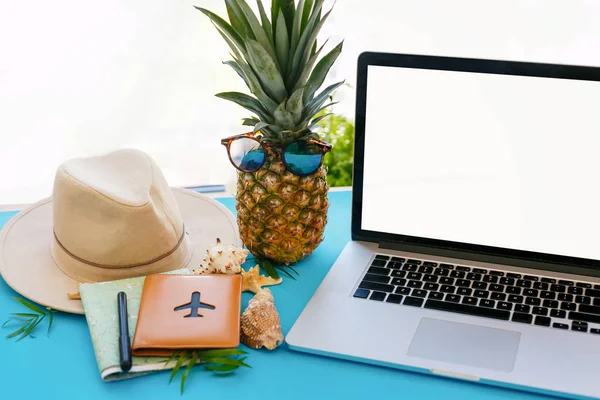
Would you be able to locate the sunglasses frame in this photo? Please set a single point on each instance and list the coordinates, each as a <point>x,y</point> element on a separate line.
<point>324,146</point>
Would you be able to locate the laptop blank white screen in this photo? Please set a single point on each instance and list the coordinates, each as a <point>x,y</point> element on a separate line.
<point>495,160</point>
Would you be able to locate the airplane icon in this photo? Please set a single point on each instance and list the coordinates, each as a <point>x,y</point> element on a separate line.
<point>194,305</point>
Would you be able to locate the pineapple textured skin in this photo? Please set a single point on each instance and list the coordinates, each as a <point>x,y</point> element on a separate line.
<point>281,216</point>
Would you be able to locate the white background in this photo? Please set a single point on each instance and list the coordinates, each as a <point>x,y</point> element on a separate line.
<point>497,160</point>
<point>81,78</point>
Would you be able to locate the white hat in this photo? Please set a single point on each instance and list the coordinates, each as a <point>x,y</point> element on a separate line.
<point>109,217</point>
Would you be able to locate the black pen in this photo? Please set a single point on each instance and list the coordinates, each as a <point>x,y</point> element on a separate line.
<point>124,342</point>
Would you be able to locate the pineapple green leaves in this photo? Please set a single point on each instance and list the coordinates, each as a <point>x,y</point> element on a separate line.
<point>278,59</point>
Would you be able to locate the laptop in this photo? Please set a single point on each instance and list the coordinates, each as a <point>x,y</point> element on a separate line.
<point>475,226</point>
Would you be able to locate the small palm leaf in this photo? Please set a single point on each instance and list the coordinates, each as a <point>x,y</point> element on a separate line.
<point>223,369</point>
<point>184,356</point>
<point>29,305</point>
<point>29,320</point>
<point>220,352</point>
<point>187,370</point>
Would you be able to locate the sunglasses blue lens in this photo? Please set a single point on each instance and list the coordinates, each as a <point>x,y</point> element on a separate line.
<point>247,154</point>
<point>303,158</point>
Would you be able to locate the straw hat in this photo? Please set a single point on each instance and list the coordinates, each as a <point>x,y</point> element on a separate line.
<point>109,217</point>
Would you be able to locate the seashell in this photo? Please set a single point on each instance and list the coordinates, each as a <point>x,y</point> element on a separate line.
<point>260,326</point>
<point>253,282</point>
<point>222,260</point>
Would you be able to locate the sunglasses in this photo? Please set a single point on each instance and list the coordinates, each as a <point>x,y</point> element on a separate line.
<point>301,157</point>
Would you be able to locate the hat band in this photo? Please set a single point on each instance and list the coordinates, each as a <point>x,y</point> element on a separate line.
<point>97,265</point>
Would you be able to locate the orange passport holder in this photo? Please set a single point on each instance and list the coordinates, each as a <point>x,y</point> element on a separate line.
<point>187,312</point>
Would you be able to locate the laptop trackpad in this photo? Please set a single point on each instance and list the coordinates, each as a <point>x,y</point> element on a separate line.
<point>465,344</point>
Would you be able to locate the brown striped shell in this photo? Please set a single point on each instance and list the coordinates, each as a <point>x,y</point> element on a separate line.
<point>260,326</point>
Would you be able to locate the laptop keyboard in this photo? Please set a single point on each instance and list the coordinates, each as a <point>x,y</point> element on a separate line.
<point>526,299</point>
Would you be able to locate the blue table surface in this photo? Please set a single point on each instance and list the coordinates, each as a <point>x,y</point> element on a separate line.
<point>62,365</point>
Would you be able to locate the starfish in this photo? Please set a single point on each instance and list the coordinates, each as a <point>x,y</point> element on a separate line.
<point>253,282</point>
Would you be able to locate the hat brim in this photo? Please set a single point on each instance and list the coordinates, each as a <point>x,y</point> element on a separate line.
<point>26,262</point>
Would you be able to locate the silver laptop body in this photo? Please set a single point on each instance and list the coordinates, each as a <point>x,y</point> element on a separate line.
<point>475,226</point>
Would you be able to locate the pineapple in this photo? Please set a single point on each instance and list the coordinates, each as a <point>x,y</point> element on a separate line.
<point>281,216</point>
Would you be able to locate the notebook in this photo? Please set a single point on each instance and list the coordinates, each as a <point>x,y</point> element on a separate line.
<point>100,306</point>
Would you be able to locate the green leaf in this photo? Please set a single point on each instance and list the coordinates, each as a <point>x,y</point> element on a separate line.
<point>50,320</point>
<point>18,331</point>
<point>225,27</point>
<point>265,68</point>
<point>293,270</point>
<point>250,121</point>
<point>187,370</point>
<point>275,9</point>
<point>32,325</point>
<point>309,37</point>
<point>281,269</point>
<point>25,315</point>
<point>256,88</point>
<point>288,9</point>
<point>259,33</point>
<point>173,356</point>
<point>282,43</point>
<point>261,125</point>
<point>307,69</point>
<point>7,321</point>
<point>297,25</point>
<point>318,101</point>
<point>237,52</point>
<point>220,352</point>
<point>29,305</point>
<point>283,117</point>
<point>308,6</point>
<point>221,368</point>
<point>235,66</point>
<point>227,361</point>
<point>269,269</point>
<point>317,77</point>
<point>237,19</point>
<point>248,102</point>
<point>316,121</point>
<point>321,117</point>
<point>295,105</point>
<point>325,106</point>
<point>265,21</point>
<point>314,48</point>
<point>184,356</point>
